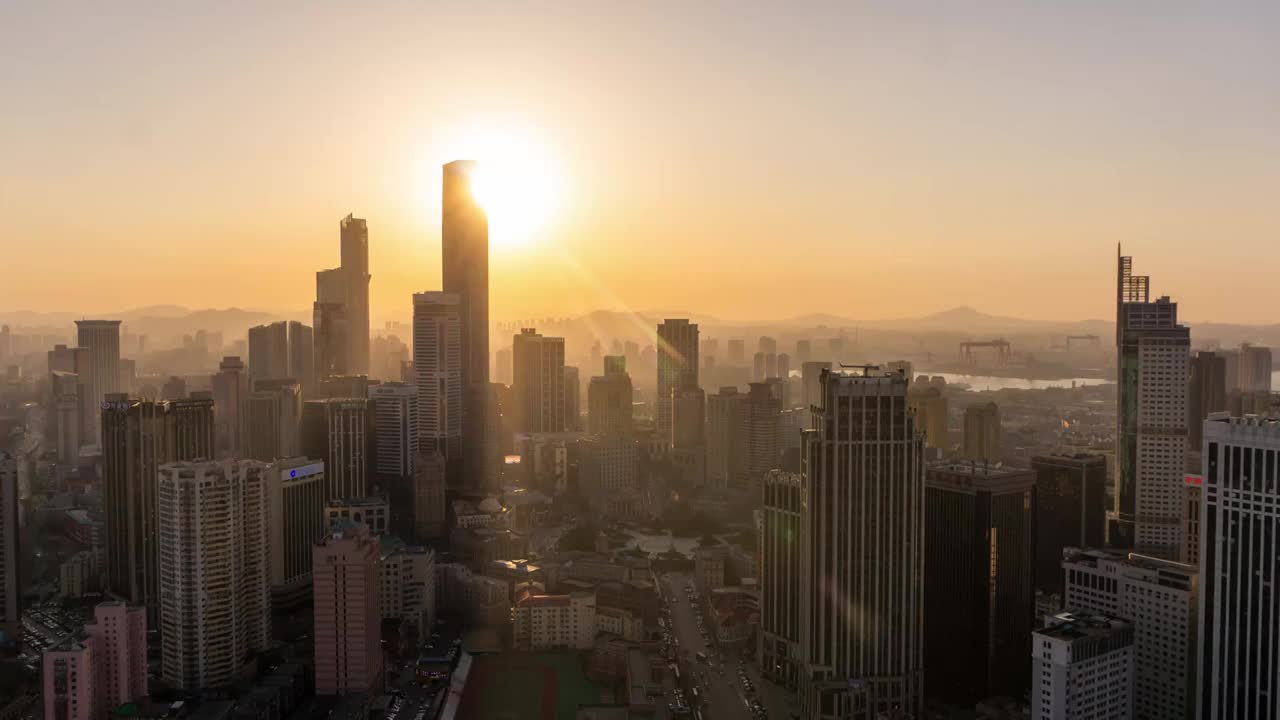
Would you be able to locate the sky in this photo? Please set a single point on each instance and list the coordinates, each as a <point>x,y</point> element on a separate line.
<point>742,160</point>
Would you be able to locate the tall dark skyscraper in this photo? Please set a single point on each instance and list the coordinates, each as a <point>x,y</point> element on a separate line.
<point>862,551</point>
<point>464,241</point>
<point>1151,439</point>
<point>335,430</point>
<point>677,367</point>
<point>355,272</point>
<point>779,554</point>
<point>1070,511</point>
<point>1208,395</point>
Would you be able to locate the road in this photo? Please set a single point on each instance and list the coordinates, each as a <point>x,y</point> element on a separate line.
<point>723,694</point>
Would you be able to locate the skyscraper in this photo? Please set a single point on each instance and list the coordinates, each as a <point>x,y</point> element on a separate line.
<point>268,352</point>
<point>978,583</point>
<point>811,381</point>
<point>677,366</point>
<point>982,433</point>
<point>538,390</point>
<point>761,413</point>
<point>464,244</point>
<point>10,582</point>
<point>572,401</point>
<point>120,646</point>
<point>302,363</point>
<point>929,406</point>
<point>862,551</point>
<point>215,600</point>
<point>725,439</point>
<point>737,351</point>
<point>779,558</point>
<point>335,431</point>
<point>1151,440</point>
<point>430,518</point>
<point>609,398</point>
<point>274,421</point>
<point>102,339</point>
<point>329,317</point>
<point>1070,511</point>
<point>138,436</point>
<point>394,407</point>
<point>1208,394</point>
<point>347,597</point>
<point>230,407</point>
<point>296,501</point>
<point>1255,369</point>
<point>355,271</point>
<point>1239,563</point>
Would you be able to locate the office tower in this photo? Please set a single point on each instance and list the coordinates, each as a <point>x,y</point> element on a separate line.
<point>355,272</point>
<point>1207,395</point>
<point>803,351</point>
<point>302,362</point>
<point>1239,562</point>
<point>761,414</point>
<point>268,352</point>
<point>394,407</point>
<point>725,439</point>
<point>274,421</point>
<point>502,366</point>
<point>70,678</point>
<point>982,433</point>
<point>296,501</point>
<point>978,586</point>
<point>677,366</point>
<point>10,580</point>
<point>1193,493</point>
<point>102,339</point>
<point>77,361</point>
<point>1159,598</point>
<point>347,597</point>
<point>230,407</point>
<point>334,431</point>
<point>1082,666</point>
<point>1070,511</point>
<point>737,351</point>
<point>464,239</point>
<point>572,403</point>
<point>138,436</point>
<point>1151,438</point>
<point>861,551</point>
<point>779,558</point>
<point>1255,369</point>
<point>429,512</point>
<point>757,367</point>
<point>331,332</point>
<point>609,399</point>
<point>811,381</point>
<point>215,581</point>
<point>538,389</point>
<point>929,406</point>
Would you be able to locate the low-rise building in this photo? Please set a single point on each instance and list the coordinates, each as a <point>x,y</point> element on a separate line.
<point>554,622</point>
<point>373,512</point>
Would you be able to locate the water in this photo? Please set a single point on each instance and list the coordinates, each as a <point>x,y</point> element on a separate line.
<point>992,382</point>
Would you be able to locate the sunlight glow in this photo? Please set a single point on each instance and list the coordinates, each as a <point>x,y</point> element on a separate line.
<point>515,181</point>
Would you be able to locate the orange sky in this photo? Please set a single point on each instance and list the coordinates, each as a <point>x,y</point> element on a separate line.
<point>871,159</point>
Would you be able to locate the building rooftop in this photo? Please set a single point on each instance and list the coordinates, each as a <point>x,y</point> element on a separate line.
<point>1075,625</point>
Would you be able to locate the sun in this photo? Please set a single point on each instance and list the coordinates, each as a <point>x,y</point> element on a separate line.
<point>515,182</point>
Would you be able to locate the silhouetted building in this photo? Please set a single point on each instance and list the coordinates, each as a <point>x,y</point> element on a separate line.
<point>761,414</point>
<point>677,367</point>
<point>102,339</point>
<point>269,352</point>
<point>779,558</point>
<point>1208,394</point>
<point>982,433</point>
<point>274,421</point>
<point>979,594</point>
<point>539,382</point>
<point>609,399</point>
<point>725,439</point>
<point>10,577</point>
<point>354,234</point>
<point>1070,511</point>
<point>572,401</point>
<point>335,431</point>
<point>230,407</point>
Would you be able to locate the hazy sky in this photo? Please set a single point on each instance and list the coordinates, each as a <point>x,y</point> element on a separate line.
<point>738,159</point>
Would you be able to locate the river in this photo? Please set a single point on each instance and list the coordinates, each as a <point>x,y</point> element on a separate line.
<point>992,382</point>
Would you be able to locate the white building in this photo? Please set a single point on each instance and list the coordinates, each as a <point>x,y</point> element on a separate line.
<point>215,589</point>
<point>554,622</point>
<point>409,583</point>
<point>1082,666</point>
<point>1239,564</point>
<point>1160,599</point>
<point>394,407</point>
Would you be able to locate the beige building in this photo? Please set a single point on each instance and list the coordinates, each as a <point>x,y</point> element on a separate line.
<point>554,622</point>
<point>347,597</point>
<point>982,433</point>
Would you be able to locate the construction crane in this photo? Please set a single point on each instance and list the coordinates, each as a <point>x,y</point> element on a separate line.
<point>1004,351</point>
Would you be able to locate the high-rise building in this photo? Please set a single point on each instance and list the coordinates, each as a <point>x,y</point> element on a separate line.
<point>10,580</point>
<point>1193,487</point>
<point>538,388</point>
<point>811,381</point>
<point>1151,438</point>
<point>409,584</point>
<point>354,235</point>
<point>394,407</point>
<point>68,417</point>
<point>677,366</point>
<point>70,674</point>
<point>761,413</point>
<point>269,352</point>
<point>230,407</point>
<point>77,362</point>
<point>329,318</point>
<point>138,436</point>
<point>609,399</point>
<point>502,366</point>
<point>929,405</point>
<point>725,439</point>
<point>609,477</point>
<point>688,434</point>
<point>464,241</point>
<point>274,421</point>
<point>430,519</point>
<point>978,584</point>
<point>119,633</point>
<point>779,557</point>
<point>1239,562</point>
<point>737,351</point>
<point>572,401</point>
<point>1207,395</point>
<point>335,431</point>
<point>758,373</point>
<point>982,433</point>
<point>215,581</point>
<point>1255,369</point>
<point>296,501</point>
<point>803,351</point>
<point>1160,599</point>
<point>862,551</point>
<point>102,339</point>
<point>347,597</point>
<point>1071,495</point>
<point>302,362</point>
<point>1082,666</point>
